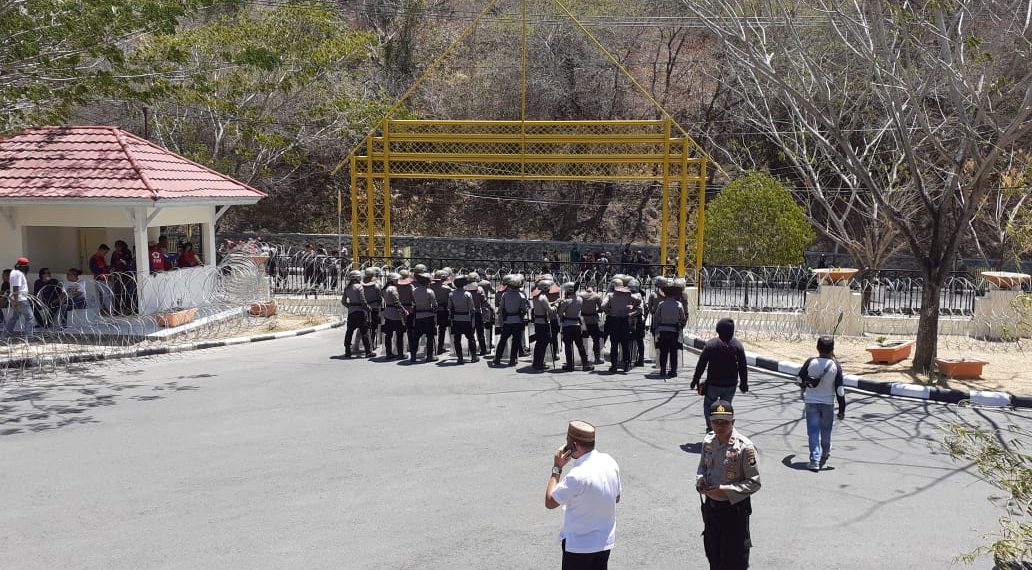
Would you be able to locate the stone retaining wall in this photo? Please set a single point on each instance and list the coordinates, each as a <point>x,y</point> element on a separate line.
<point>455,248</point>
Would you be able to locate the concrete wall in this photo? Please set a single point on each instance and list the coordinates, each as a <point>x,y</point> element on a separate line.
<point>456,248</point>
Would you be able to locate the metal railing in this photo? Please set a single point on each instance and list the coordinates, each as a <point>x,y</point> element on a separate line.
<point>899,292</point>
<point>768,288</point>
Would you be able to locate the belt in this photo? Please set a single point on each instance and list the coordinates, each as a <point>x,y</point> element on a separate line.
<point>356,304</point>
<point>460,312</point>
<point>425,313</point>
<point>713,503</point>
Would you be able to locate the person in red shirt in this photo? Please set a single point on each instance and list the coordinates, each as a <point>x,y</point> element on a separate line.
<point>187,256</point>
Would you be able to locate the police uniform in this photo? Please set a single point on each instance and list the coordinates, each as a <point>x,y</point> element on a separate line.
<point>425,309</point>
<point>590,310</point>
<point>544,314</point>
<point>394,320</point>
<point>355,301</point>
<point>461,308</point>
<point>620,306</point>
<point>442,290</point>
<point>570,318</point>
<point>374,299</point>
<point>480,306</point>
<point>732,466</point>
<point>405,289</point>
<point>667,321</point>
<point>512,306</point>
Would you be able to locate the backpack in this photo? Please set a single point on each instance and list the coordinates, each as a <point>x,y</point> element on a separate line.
<point>808,381</point>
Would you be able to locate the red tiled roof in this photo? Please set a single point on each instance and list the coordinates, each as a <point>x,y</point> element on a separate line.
<point>106,163</point>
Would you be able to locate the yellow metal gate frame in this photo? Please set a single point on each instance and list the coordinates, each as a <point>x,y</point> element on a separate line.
<point>608,151</point>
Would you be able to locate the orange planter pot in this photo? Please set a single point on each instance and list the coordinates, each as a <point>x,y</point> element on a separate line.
<point>263,309</point>
<point>259,260</point>
<point>1006,280</point>
<point>960,369</point>
<point>835,276</point>
<point>891,354</point>
<point>176,318</point>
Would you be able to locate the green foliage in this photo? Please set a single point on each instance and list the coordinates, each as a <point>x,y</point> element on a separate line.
<point>999,457</point>
<point>755,221</point>
<point>55,54</point>
<point>269,96</point>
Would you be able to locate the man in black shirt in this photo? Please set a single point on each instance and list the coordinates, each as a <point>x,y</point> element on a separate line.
<point>725,358</point>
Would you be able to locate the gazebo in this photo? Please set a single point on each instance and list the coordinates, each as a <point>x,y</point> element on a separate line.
<point>66,190</point>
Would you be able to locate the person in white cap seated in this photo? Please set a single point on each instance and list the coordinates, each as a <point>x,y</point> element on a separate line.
<point>588,494</point>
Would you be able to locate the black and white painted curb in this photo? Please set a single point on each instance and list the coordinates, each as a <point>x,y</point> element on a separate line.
<point>918,391</point>
<point>41,361</point>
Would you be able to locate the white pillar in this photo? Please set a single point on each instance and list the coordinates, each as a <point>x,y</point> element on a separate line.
<point>208,237</point>
<point>147,303</point>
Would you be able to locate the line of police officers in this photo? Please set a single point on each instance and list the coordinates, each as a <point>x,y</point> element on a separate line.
<point>410,306</point>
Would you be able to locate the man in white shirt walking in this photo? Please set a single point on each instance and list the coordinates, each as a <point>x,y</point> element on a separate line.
<point>21,307</point>
<point>588,494</point>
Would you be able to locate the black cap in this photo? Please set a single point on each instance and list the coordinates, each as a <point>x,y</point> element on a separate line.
<point>722,410</point>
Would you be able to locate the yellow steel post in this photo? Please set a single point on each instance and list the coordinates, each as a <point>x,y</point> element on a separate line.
<point>370,214</point>
<point>700,219</point>
<point>523,93</point>
<point>682,219</point>
<point>386,191</point>
<point>355,251</point>
<point>665,212</point>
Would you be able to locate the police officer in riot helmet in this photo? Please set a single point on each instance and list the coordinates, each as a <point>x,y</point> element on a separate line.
<point>394,319</point>
<point>461,309</point>
<point>544,314</point>
<point>512,306</point>
<point>570,320</point>
<point>358,314</point>
<point>425,308</point>
<point>442,290</point>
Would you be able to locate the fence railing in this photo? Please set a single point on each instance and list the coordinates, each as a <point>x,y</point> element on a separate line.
<point>740,288</point>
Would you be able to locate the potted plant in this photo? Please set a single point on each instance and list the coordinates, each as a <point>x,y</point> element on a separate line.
<point>266,309</point>
<point>835,275</point>
<point>890,351</point>
<point>960,368</point>
<point>176,316</point>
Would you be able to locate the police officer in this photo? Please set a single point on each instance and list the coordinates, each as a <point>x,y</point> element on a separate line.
<point>358,314</point>
<point>472,287</point>
<point>637,322</point>
<point>425,309</point>
<point>442,290</point>
<point>570,318</point>
<point>394,314</point>
<point>727,476</point>
<point>619,306</point>
<point>544,314</point>
<point>668,320</point>
<point>591,309</point>
<point>461,309</point>
<point>405,288</point>
<point>374,298</point>
<point>487,315</point>
<point>512,306</point>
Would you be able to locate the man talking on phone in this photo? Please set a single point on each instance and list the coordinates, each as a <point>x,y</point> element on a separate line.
<point>588,494</point>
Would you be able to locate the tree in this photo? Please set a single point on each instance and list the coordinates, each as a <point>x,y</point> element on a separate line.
<point>268,96</point>
<point>912,105</point>
<point>755,221</point>
<point>999,458</point>
<point>998,228</point>
<point>55,54</point>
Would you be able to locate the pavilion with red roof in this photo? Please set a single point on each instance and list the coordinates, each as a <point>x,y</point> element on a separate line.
<point>65,190</point>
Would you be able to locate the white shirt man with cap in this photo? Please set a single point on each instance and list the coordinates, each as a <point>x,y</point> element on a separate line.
<point>588,494</point>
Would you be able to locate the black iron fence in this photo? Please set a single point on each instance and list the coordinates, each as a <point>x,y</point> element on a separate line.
<point>763,288</point>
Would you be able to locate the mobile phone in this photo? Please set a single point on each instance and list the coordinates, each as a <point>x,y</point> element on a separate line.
<point>570,447</point>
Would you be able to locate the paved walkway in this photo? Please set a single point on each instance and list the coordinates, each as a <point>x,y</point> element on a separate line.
<point>279,455</point>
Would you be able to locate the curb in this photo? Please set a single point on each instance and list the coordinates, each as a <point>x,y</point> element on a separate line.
<point>38,362</point>
<point>893,389</point>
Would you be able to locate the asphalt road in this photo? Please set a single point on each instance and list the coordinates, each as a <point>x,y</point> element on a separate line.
<point>278,455</point>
